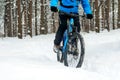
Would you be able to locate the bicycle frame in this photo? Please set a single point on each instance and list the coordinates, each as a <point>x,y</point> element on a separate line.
<point>71,56</point>
<point>66,37</point>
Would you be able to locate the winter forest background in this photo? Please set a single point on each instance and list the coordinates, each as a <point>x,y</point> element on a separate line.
<point>19,18</point>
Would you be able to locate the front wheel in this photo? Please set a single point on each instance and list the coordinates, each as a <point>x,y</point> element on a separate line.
<point>75,51</point>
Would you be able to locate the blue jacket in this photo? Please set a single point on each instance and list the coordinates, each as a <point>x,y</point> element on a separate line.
<point>71,5</point>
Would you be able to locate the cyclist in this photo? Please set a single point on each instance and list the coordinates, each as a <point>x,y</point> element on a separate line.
<point>68,6</point>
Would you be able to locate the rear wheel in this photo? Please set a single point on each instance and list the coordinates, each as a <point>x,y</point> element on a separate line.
<point>75,51</point>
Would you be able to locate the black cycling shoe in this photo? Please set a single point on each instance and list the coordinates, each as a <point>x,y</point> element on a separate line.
<point>56,48</point>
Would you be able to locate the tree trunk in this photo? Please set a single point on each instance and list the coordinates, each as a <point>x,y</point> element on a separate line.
<point>19,19</point>
<point>25,16</point>
<point>118,23</point>
<point>30,18</point>
<point>36,32</point>
<point>14,19</point>
<point>107,8</point>
<point>97,16</point>
<point>53,26</point>
<point>7,19</point>
<point>93,20</point>
<point>43,18</point>
<point>113,14</point>
<point>103,16</point>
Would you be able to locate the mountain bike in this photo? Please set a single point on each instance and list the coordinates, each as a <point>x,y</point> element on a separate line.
<point>72,50</point>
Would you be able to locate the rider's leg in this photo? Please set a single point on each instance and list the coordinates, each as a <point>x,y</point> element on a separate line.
<point>61,29</point>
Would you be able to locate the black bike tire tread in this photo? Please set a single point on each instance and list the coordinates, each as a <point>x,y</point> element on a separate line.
<point>82,54</point>
<point>82,50</point>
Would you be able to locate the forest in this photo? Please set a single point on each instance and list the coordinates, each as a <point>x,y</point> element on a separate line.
<point>19,18</point>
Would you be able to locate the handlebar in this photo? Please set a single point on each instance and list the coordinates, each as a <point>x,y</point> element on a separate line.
<point>71,14</point>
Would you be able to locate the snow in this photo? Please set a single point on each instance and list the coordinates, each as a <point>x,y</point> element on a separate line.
<point>34,59</point>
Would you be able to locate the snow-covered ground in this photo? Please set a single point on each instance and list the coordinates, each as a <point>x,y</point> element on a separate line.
<point>34,59</point>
